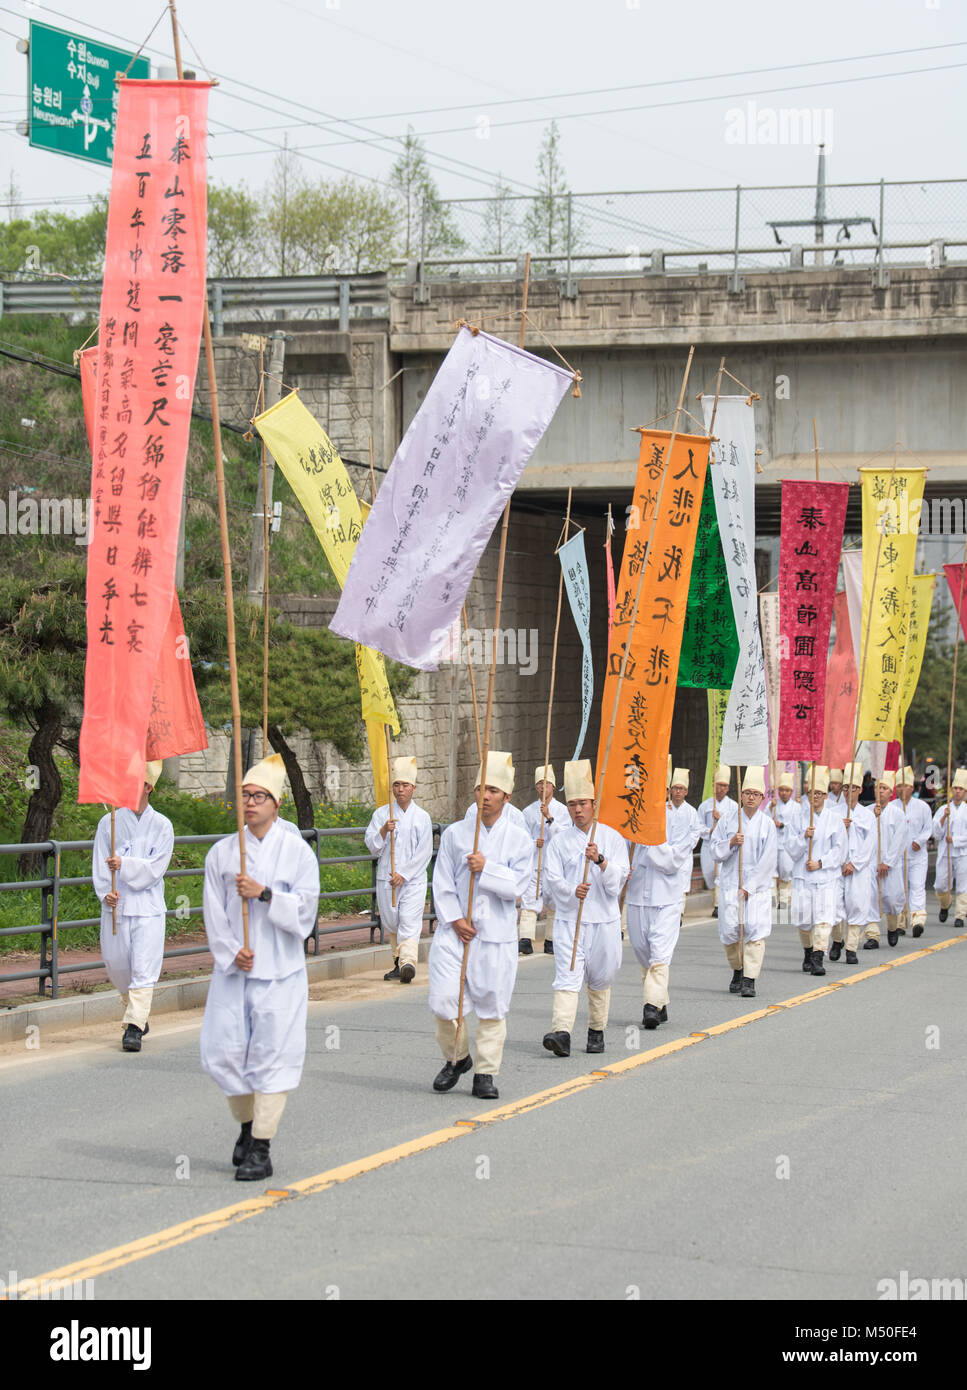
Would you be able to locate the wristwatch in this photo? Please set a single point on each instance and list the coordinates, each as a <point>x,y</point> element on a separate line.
<point>600,859</point>
<point>266,895</point>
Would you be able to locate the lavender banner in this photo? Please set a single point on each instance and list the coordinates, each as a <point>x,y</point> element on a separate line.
<point>574,565</point>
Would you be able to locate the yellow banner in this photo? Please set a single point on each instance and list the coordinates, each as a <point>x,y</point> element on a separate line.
<point>318,477</point>
<point>921,601</point>
<point>718,702</point>
<point>377,754</point>
<point>892,499</point>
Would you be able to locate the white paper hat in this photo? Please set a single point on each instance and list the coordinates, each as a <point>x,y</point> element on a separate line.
<point>722,774</point>
<point>754,780</point>
<point>152,771</point>
<point>680,778</point>
<point>405,770</point>
<point>500,772</point>
<point>269,774</point>
<point>545,773</point>
<point>578,781</point>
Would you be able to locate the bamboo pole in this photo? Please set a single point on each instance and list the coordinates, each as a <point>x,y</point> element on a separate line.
<point>265,584</point>
<point>389,808</point>
<point>114,883</point>
<point>550,698</point>
<point>602,770</point>
<point>473,687</point>
<point>950,734</point>
<point>226,551</point>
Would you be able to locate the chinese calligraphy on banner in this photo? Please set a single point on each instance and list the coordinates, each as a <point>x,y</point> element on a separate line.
<point>769,622</point>
<point>317,475</point>
<point>918,620</point>
<point>453,473</point>
<point>152,303</point>
<point>710,646</point>
<point>574,566</point>
<point>813,516</point>
<point>717,701</point>
<point>745,738</point>
<point>631,791</point>
<point>891,518</point>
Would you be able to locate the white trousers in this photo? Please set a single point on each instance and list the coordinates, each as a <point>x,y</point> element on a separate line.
<point>405,920</point>
<point>134,957</point>
<point>598,957</point>
<point>653,933</point>
<point>756,916</point>
<point>491,975</point>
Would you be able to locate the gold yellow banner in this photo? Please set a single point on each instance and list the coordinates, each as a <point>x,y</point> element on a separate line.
<point>317,475</point>
<point>377,754</point>
<point>892,499</point>
<point>631,793</point>
<point>921,601</point>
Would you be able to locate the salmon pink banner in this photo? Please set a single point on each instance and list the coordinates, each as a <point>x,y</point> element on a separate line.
<point>175,724</point>
<point>841,691</point>
<point>152,303</point>
<point>813,516</point>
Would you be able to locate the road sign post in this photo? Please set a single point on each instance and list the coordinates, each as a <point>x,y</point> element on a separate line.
<point>72,96</point>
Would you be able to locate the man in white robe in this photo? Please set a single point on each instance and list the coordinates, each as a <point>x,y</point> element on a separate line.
<point>892,845</point>
<point>659,878</point>
<point>856,904</point>
<point>746,917</point>
<point>501,866</point>
<point>919,830</point>
<point>406,839</point>
<point>950,833</point>
<point>836,796</point>
<point>134,953</point>
<point>598,956</point>
<point>253,1036</point>
<point>786,817</point>
<point>819,855</point>
<point>543,819</point>
<point>709,812</point>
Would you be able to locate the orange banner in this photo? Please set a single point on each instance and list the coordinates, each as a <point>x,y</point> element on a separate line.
<point>631,793</point>
<point>841,691</point>
<point>152,303</point>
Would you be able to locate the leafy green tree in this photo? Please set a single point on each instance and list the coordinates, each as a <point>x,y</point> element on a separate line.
<point>546,220</point>
<point>278,212</point>
<point>344,226</point>
<point>411,180</point>
<point>235,239</point>
<point>55,244</point>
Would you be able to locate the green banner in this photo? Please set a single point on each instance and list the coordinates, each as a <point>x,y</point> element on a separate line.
<point>718,701</point>
<point>710,647</point>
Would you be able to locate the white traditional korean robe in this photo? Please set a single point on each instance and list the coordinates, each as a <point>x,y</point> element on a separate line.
<point>559,820</point>
<point>598,957</point>
<point>790,815</point>
<point>951,866</point>
<point>815,892</point>
<point>893,841</point>
<point>919,830</point>
<point>758,872</point>
<point>705,814</point>
<point>253,1036</point>
<point>413,850</point>
<point>660,875</point>
<point>133,957</point>
<point>492,958</point>
<point>857,905</point>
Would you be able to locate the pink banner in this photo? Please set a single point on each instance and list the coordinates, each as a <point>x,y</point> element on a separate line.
<point>958,592</point>
<point>841,691</point>
<point>813,515</point>
<point>152,303</point>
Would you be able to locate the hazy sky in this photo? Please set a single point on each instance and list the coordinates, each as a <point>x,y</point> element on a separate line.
<point>506,67</point>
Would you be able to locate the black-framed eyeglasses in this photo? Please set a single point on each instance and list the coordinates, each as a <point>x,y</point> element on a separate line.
<point>256,798</point>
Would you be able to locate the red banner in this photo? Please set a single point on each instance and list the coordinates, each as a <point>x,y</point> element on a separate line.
<point>841,691</point>
<point>813,516</point>
<point>150,325</point>
<point>958,592</point>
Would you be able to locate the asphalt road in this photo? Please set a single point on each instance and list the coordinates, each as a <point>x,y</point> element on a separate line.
<point>808,1153</point>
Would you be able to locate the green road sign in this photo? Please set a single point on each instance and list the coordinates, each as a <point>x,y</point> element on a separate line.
<point>72,95</point>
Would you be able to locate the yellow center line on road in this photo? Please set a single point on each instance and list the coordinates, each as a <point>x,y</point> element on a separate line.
<point>184,1231</point>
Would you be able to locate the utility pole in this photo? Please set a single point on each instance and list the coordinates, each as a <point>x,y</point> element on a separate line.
<point>257,558</point>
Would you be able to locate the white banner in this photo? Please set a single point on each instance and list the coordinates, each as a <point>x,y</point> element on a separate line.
<point>769,618</point>
<point>453,473</point>
<point>745,738</point>
<point>574,566</point>
<point>872,755</point>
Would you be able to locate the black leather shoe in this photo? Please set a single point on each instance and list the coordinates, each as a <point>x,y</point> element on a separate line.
<point>748,988</point>
<point>958,924</point>
<point>451,1073</point>
<point>918,929</point>
<point>736,982</point>
<point>836,950</point>
<point>243,1143</point>
<point>595,1040</point>
<point>256,1164</point>
<point>407,972</point>
<point>393,974</point>
<point>131,1041</point>
<point>663,1014</point>
<point>558,1043</point>
<point>944,913</point>
<point>893,937</point>
<point>852,958</point>
<point>650,1017</point>
<point>484,1088</point>
<point>548,947</point>
<point>871,944</point>
<point>816,964</point>
<point>807,960</point>
<point>715,912</point>
<point>525,946</point>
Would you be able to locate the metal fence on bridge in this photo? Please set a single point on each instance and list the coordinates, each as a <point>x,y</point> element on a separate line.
<point>49,885</point>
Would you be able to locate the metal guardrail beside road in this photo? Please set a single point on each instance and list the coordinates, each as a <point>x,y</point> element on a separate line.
<point>49,885</point>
